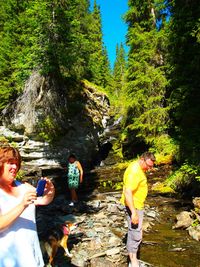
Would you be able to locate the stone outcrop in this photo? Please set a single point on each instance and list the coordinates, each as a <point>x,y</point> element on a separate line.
<point>41,97</point>
<point>47,122</point>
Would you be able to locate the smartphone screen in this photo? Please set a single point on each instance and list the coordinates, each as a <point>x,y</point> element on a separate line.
<point>40,187</point>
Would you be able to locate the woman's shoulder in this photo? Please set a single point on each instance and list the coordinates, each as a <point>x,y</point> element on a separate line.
<point>24,185</point>
<point>29,186</point>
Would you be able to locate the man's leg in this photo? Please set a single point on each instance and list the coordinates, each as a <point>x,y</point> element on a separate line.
<point>134,237</point>
<point>133,260</point>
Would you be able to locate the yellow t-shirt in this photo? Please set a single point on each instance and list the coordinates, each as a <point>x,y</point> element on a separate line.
<point>136,180</point>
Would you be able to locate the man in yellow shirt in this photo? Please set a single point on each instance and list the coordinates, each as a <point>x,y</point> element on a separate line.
<point>133,197</point>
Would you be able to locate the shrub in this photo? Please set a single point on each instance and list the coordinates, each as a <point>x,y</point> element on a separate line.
<point>184,176</point>
<point>165,149</point>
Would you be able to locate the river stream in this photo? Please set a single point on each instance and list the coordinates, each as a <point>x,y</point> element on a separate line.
<point>162,246</point>
<point>165,247</point>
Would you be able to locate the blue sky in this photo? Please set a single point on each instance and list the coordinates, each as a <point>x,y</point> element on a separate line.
<point>113,26</point>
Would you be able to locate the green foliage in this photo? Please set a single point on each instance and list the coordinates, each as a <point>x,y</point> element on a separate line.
<point>119,79</point>
<point>9,49</point>
<point>122,165</point>
<point>58,38</point>
<point>49,130</point>
<point>3,140</point>
<point>165,149</point>
<point>117,149</point>
<point>8,140</point>
<point>162,188</point>
<point>146,114</point>
<point>184,86</point>
<point>119,70</point>
<point>89,84</point>
<point>98,66</point>
<point>111,185</point>
<point>20,175</point>
<point>140,12</point>
<point>157,90</point>
<point>183,176</point>
<point>195,223</point>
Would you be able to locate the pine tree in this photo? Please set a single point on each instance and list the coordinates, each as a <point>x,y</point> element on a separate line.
<point>146,82</point>
<point>10,48</point>
<point>119,70</point>
<point>184,89</point>
<point>77,46</point>
<point>99,66</point>
<point>48,36</point>
<point>105,77</point>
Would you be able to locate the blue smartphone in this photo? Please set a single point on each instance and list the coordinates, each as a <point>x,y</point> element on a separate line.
<point>40,187</point>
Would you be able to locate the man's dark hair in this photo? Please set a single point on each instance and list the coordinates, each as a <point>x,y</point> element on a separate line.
<point>148,155</point>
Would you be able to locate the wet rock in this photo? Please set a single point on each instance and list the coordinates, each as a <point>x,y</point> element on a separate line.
<point>114,241</point>
<point>91,233</point>
<point>196,202</point>
<point>184,220</point>
<point>101,262</point>
<point>177,249</point>
<point>104,234</point>
<point>112,208</point>
<point>144,264</point>
<point>79,260</point>
<point>151,213</point>
<point>146,226</point>
<point>112,251</point>
<point>16,137</point>
<point>194,232</point>
<point>95,244</point>
<point>99,238</point>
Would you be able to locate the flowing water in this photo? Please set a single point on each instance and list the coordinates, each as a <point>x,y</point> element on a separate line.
<point>162,246</point>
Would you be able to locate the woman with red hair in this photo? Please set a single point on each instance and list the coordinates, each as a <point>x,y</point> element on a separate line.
<point>19,243</point>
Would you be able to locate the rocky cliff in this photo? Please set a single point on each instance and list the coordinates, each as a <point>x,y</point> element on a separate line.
<point>50,120</point>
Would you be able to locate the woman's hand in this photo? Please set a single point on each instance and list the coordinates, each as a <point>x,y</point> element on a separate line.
<point>29,198</point>
<point>48,195</point>
<point>49,188</point>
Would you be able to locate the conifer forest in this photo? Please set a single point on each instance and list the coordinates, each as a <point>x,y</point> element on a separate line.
<point>155,88</point>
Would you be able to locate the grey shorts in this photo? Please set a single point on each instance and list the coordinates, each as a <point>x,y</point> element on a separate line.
<point>134,236</point>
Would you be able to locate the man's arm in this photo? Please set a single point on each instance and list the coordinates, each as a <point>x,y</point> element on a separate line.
<point>129,195</point>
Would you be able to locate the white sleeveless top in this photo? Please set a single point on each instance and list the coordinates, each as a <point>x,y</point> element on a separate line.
<point>19,243</point>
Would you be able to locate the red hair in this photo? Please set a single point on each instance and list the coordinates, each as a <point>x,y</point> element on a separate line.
<point>7,154</point>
